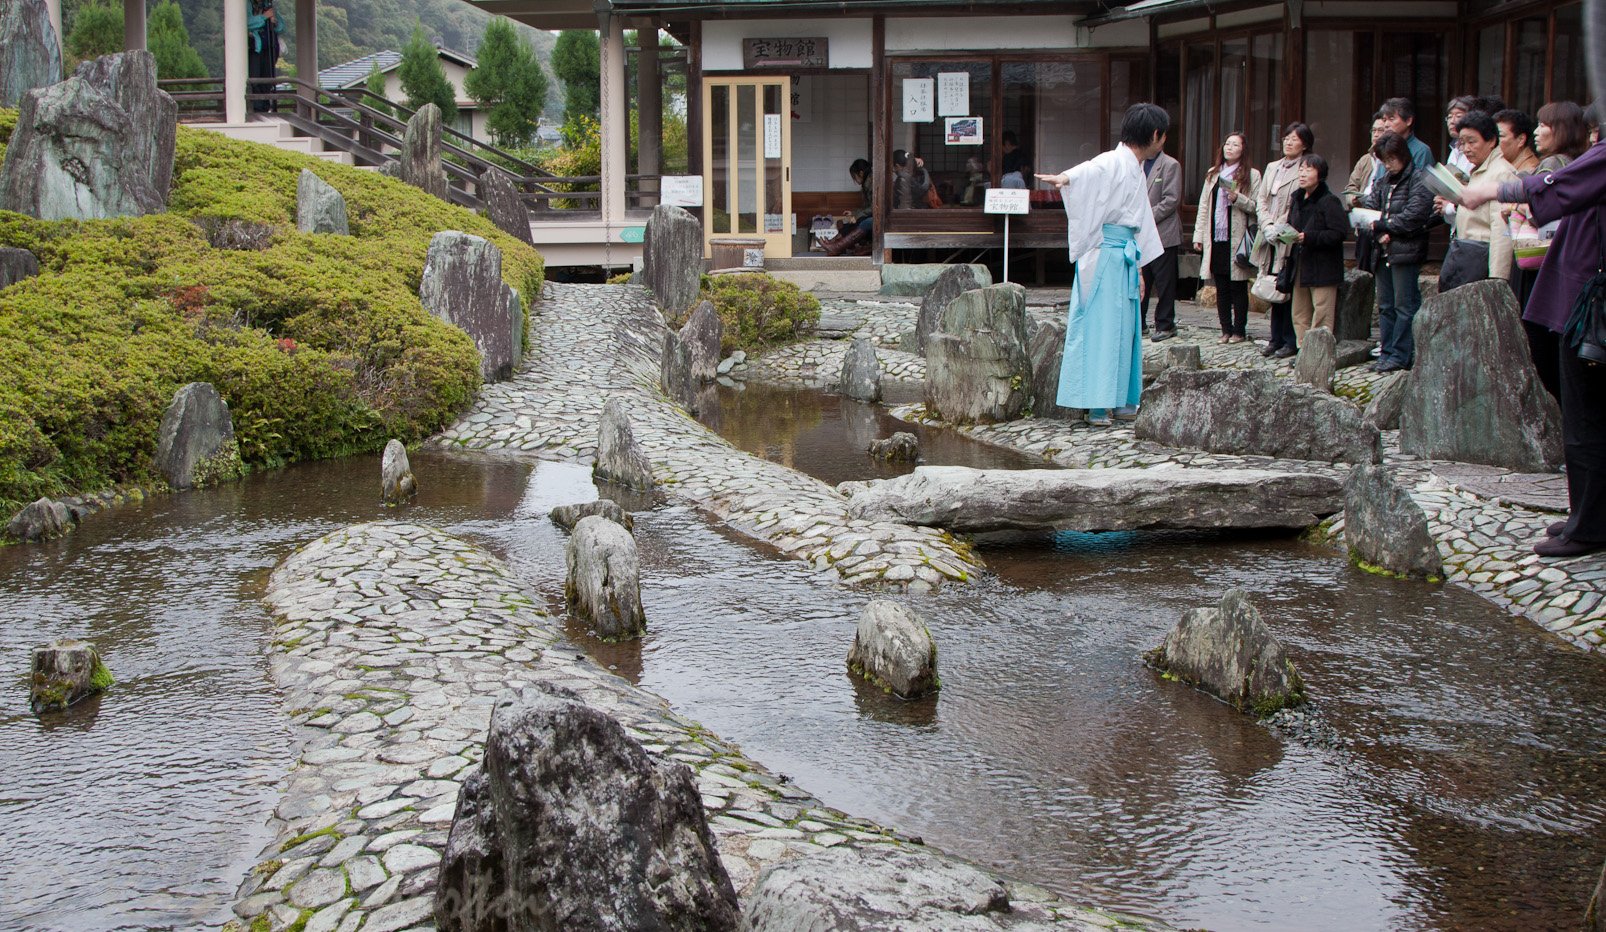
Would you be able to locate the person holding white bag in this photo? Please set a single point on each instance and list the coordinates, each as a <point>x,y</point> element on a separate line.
<point>1279,182</point>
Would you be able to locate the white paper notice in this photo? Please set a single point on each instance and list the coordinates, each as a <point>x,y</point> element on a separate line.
<point>917,94</point>
<point>681,190</point>
<point>1008,201</point>
<point>772,135</point>
<point>953,93</point>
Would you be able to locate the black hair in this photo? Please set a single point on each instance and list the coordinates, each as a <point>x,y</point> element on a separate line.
<point>1521,125</point>
<point>1491,104</point>
<point>1398,107</point>
<point>1481,123</point>
<point>1009,136</point>
<point>1379,115</point>
<point>1392,145</point>
<point>1142,123</point>
<point>900,157</point>
<point>859,167</point>
<point>1317,162</point>
<point>1304,133</point>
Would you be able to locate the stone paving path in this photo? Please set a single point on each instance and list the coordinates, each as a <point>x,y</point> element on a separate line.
<point>392,642</point>
<point>593,342</point>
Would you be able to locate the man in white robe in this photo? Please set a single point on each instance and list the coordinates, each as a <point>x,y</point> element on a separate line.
<point>1112,236</point>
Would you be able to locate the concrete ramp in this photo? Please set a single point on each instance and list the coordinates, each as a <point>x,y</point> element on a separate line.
<point>965,500</point>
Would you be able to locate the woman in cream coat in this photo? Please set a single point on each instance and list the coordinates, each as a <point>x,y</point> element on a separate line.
<point>1279,182</point>
<point>1227,206</point>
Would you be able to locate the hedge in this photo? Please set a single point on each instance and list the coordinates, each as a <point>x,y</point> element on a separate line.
<point>319,343</point>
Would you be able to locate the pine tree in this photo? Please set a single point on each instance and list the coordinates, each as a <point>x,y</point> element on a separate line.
<point>376,86</point>
<point>508,84</point>
<point>169,41</point>
<point>576,60</point>
<point>97,29</point>
<point>423,79</point>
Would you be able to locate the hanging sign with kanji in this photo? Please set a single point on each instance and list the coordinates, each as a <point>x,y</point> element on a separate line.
<point>785,53</point>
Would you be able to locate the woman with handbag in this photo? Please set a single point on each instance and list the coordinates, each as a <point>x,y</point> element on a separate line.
<point>1279,182</point>
<point>1570,299</point>
<point>1401,234</point>
<point>1318,214</point>
<point>1224,229</point>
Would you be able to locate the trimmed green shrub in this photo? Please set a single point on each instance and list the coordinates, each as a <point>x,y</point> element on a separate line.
<point>319,343</point>
<point>758,310</point>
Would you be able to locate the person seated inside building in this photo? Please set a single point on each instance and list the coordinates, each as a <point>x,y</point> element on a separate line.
<point>911,183</point>
<point>853,233</point>
<point>1017,165</point>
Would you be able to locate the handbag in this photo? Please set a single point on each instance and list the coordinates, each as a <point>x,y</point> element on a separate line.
<point>1246,248</point>
<point>1265,288</point>
<point>1467,261</point>
<point>1586,325</point>
<point>1289,272</point>
<point>933,199</point>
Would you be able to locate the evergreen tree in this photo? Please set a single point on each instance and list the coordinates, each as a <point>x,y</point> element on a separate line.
<point>169,41</point>
<point>508,84</point>
<point>97,29</point>
<point>576,60</point>
<point>376,85</point>
<point>423,79</point>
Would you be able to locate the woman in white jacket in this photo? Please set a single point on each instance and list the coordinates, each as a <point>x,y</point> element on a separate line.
<point>1272,197</point>
<point>1226,214</point>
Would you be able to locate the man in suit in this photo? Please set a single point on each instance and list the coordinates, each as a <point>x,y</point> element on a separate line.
<point>1163,178</point>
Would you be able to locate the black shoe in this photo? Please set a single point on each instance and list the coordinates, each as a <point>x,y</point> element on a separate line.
<point>1285,352</point>
<point>1555,529</point>
<point>1384,368</point>
<point>1563,546</point>
<point>1269,350</point>
<point>1161,336</point>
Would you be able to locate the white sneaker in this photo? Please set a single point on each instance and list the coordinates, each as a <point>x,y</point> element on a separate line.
<point>1377,350</point>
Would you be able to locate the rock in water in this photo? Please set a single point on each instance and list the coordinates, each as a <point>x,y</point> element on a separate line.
<point>1318,359</point>
<point>195,446</point>
<point>97,145</point>
<point>861,372</point>
<point>672,259</point>
<point>977,370</point>
<point>1387,399</point>
<point>1254,413</point>
<point>882,888</point>
<point>1229,652</point>
<point>901,447</point>
<point>702,335</point>
<point>1357,301</point>
<point>43,520</point>
<point>567,516</point>
<point>16,264</point>
<point>894,650</point>
<point>463,286</point>
<point>396,482</point>
<point>503,205</point>
<point>914,278</point>
<point>30,53</point>
<point>65,672</point>
<point>570,825</point>
<point>319,207</point>
<point>1474,395</point>
<point>619,458</point>
<point>953,282</point>
<point>1047,351</point>
<point>421,152</point>
<point>603,585</point>
<point>1385,527</point>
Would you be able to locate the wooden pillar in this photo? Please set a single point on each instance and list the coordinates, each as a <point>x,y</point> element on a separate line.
<point>306,47</point>
<point>133,24</point>
<point>1294,65</point>
<point>234,60</point>
<point>694,100</point>
<point>650,118</point>
<point>613,117</point>
<point>879,157</point>
<point>53,7</point>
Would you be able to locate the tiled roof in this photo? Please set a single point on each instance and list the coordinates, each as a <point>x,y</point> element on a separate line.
<point>355,72</point>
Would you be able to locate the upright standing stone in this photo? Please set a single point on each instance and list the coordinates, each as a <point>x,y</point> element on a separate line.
<point>675,374</point>
<point>672,259</point>
<point>195,446</point>
<point>1047,351</point>
<point>319,207</point>
<point>1318,359</point>
<point>462,285</point>
<point>65,672</point>
<point>977,370</point>
<point>396,482</point>
<point>1250,412</point>
<point>1181,356</point>
<point>16,265</point>
<point>603,585</point>
<point>421,152</point>
<point>1357,299</point>
<point>41,520</point>
<point>702,335</point>
<point>567,516</point>
<point>30,53</point>
<point>1474,395</point>
<point>503,205</point>
<point>97,145</point>
<point>619,457</point>
<point>894,650</point>
<point>953,282</point>
<point>1230,652</point>
<point>1387,399</point>
<point>570,825</point>
<point>1385,527</point>
<point>861,372</point>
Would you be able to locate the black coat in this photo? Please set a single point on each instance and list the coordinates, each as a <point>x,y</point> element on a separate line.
<point>1322,219</point>
<point>1408,212</point>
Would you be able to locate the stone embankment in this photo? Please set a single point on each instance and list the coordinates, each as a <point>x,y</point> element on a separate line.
<point>391,643</point>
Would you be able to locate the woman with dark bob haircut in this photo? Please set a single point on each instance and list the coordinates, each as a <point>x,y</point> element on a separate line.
<point>1560,134</point>
<point>1406,206</point>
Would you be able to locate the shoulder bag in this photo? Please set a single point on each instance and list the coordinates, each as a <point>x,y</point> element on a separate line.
<point>1290,272</point>
<point>1586,326</point>
<point>1265,288</point>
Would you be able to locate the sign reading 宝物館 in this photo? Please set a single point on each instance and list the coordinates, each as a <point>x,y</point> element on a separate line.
<point>785,53</point>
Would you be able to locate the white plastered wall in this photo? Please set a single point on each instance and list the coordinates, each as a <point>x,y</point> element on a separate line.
<point>848,41</point>
<point>837,132</point>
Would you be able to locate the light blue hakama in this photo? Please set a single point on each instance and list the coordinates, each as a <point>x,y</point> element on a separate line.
<point>1103,362</point>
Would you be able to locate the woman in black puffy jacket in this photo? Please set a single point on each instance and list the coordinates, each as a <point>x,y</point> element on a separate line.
<point>1402,238</point>
<point>1318,215</point>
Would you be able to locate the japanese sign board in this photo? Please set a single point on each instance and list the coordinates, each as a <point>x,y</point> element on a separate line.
<point>681,190</point>
<point>772,135</point>
<point>785,53</point>
<point>917,100</point>
<point>1007,201</point>
<point>953,93</point>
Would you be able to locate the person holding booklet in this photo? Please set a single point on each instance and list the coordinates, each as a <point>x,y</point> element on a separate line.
<point>1225,218</point>
<point>1480,246</point>
<point>1405,211</point>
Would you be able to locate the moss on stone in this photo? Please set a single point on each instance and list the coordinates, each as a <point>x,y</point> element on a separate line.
<point>300,839</point>
<point>101,679</point>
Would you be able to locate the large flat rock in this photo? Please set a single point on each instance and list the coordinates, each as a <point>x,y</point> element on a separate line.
<point>967,500</point>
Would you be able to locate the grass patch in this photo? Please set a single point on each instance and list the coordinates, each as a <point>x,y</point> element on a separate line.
<point>318,343</point>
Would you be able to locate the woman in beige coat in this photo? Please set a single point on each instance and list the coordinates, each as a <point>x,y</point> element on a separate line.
<point>1279,182</point>
<point>1226,213</point>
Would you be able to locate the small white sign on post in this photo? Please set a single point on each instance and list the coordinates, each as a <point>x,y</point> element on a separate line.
<point>681,190</point>
<point>772,135</point>
<point>1007,201</point>
<point>917,100</point>
<point>953,93</point>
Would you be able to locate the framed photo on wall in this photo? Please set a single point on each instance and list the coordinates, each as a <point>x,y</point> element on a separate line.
<point>962,131</point>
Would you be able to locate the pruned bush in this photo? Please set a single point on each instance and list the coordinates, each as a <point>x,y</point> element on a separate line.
<point>758,310</point>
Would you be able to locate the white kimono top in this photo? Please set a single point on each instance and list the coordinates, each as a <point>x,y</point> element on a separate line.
<point>1108,188</point>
